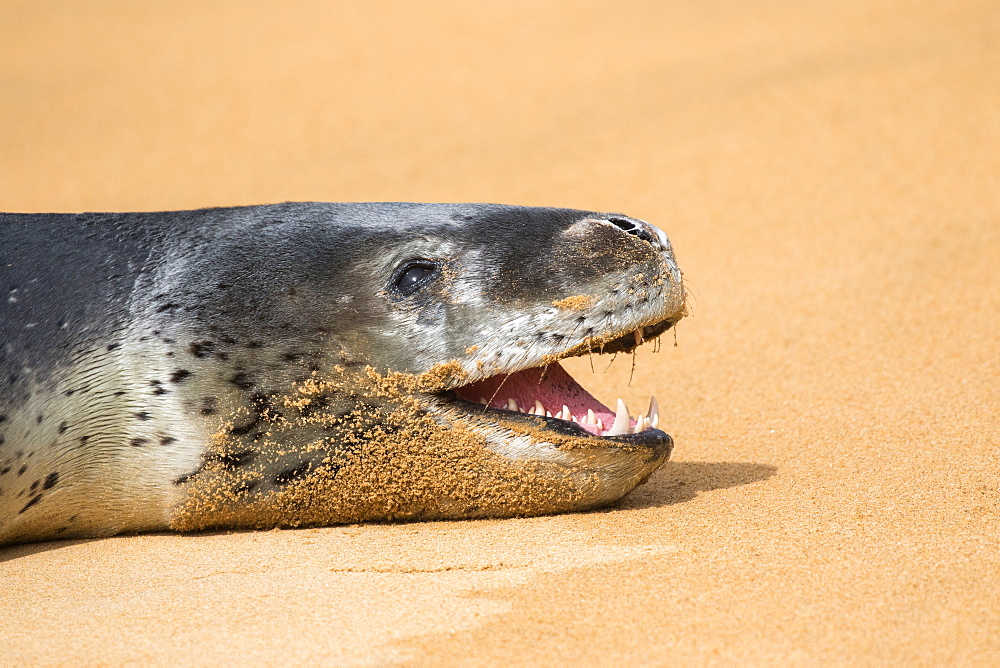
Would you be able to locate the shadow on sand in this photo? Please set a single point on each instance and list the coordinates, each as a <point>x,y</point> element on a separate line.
<point>11,552</point>
<point>678,482</point>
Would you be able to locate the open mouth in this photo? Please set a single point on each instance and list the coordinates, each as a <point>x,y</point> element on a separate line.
<point>551,393</point>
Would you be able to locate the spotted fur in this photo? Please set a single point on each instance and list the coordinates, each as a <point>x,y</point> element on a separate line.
<point>130,342</point>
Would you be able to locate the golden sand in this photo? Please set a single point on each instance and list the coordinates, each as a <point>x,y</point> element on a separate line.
<point>828,174</point>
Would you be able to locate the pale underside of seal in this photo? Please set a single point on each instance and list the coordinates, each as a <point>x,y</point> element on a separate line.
<point>311,364</point>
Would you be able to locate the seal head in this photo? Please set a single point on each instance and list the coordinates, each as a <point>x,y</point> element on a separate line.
<point>309,364</point>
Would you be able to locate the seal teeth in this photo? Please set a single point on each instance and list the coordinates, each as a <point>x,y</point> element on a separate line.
<point>641,423</point>
<point>622,419</point>
<point>622,423</point>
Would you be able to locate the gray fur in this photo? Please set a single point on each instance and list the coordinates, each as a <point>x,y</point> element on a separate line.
<point>127,340</point>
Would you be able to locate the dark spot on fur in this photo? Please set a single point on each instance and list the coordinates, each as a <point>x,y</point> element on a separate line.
<point>1,439</point>
<point>84,439</point>
<point>247,487</point>
<point>5,470</point>
<point>33,501</point>
<point>138,442</point>
<point>316,404</point>
<point>119,393</point>
<point>201,349</point>
<point>254,344</point>
<point>242,381</point>
<point>20,471</point>
<point>264,405</point>
<point>179,376</point>
<point>169,306</point>
<point>34,486</point>
<point>293,474</point>
<point>167,440</point>
<point>62,427</point>
<point>68,393</point>
<point>245,429</point>
<point>3,418</point>
<point>39,419</point>
<point>292,357</point>
<point>167,340</point>
<point>142,415</point>
<point>157,391</point>
<point>208,405</point>
<point>234,460</point>
<point>112,346</point>
<point>51,480</point>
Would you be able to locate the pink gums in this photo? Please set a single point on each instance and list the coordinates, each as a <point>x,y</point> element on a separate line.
<point>550,385</point>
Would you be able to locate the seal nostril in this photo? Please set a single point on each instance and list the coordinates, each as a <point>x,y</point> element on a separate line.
<point>632,227</point>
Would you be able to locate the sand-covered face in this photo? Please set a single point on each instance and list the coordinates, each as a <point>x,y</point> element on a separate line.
<point>448,400</point>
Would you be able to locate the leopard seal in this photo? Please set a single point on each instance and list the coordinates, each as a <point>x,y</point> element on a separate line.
<point>318,363</point>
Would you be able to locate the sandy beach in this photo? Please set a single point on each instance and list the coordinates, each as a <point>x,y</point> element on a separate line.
<point>829,174</point>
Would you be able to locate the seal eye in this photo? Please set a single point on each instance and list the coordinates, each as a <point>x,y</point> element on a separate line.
<point>413,275</point>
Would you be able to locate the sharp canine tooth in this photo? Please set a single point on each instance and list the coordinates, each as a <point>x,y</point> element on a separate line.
<point>638,337</point>
<point>590,417</point>
<point>654,410</point>
<point>548,414</point>
<point>566,414</point>
<point>621,424</point>
<point>640,423</point>
<point>512,405</point>
<point>539,408</point>
<point>484,401</point>
<point>600,424</point>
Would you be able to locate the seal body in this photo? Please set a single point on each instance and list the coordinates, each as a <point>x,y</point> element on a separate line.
<point>310,363</point>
